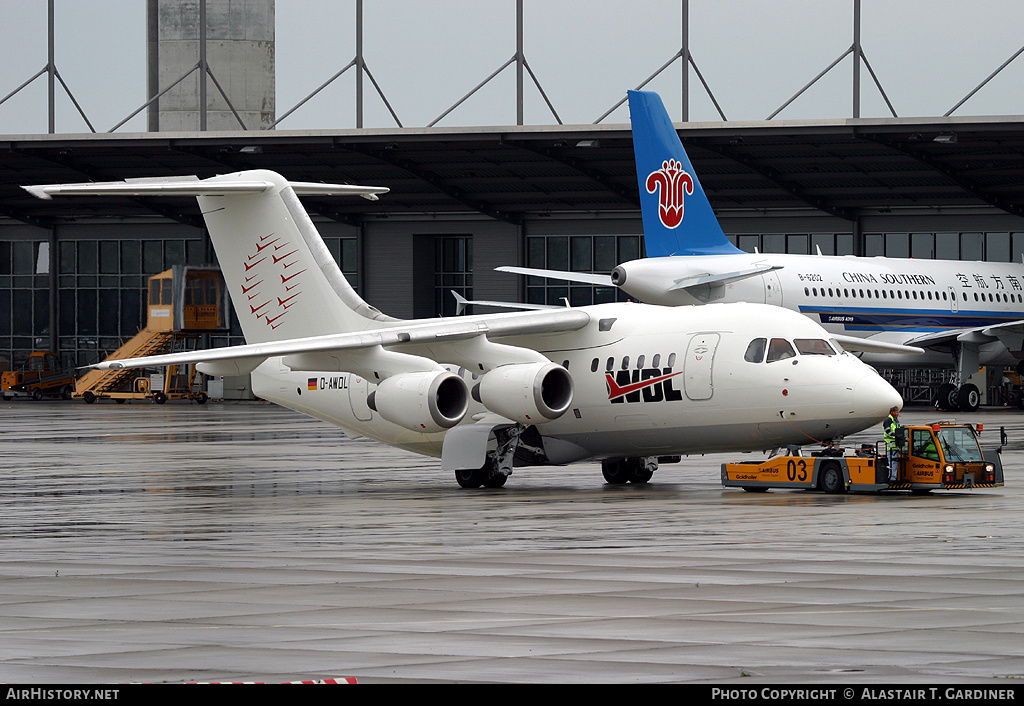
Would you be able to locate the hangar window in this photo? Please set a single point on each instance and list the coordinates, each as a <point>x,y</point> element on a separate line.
<point>577,253</point>
<point>453,271</point>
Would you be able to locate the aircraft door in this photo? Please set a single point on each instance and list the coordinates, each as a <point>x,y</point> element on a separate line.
<point>698,366</point>
<point>772,288</point>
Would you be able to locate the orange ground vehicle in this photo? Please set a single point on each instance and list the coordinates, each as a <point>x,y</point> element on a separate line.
<point>938,456</point>
<point>41,376</point>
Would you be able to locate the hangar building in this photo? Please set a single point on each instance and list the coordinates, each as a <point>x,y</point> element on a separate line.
<point>466,200</point>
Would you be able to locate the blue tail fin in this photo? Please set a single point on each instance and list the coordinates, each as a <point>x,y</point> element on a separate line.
<point>668,183</point>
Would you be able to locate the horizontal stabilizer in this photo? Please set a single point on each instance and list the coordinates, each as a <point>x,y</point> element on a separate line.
<point>461,304</point>
<point>583,277</point>
<point>193,186</point>
<point>722,278</point>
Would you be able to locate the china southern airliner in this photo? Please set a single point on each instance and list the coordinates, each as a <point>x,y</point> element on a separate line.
<point>964,314</point>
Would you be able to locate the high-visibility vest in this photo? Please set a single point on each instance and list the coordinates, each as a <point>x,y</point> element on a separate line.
<point>890,426</point>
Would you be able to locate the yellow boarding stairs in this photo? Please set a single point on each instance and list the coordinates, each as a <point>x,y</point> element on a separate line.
<point>183,302</point>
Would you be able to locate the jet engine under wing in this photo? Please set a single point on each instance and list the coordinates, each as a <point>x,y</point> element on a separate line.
<point>437,334</point>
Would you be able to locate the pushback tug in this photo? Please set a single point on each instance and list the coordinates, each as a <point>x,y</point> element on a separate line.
<point>939,456</point>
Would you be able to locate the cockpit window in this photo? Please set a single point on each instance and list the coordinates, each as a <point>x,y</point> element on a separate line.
<point>780,349</point>
<point>813,346</point>
<point>755,351</point>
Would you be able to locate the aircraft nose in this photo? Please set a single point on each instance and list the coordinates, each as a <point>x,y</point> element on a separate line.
<point>874,397</point>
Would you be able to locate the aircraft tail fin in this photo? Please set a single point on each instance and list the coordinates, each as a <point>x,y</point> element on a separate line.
<point>677,216</point>
<point>283,281</point>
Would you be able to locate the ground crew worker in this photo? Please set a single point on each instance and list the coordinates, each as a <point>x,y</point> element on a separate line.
<point>892,449</point>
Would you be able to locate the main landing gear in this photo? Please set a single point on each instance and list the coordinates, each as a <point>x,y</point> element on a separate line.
<point>629,470</point>
<point>950,398</point>
<point>498,466</point>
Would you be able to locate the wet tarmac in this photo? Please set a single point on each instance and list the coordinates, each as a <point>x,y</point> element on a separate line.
<point>177,543</point>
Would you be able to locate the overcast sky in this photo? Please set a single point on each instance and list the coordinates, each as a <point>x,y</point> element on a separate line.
<point>427,54</point>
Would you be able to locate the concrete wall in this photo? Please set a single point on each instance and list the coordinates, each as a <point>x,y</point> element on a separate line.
<point>241,55</point>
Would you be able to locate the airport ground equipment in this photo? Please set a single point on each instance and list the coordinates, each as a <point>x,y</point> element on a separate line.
<point>42,376</point>
<point>184,302</point>
<point>939,456</point>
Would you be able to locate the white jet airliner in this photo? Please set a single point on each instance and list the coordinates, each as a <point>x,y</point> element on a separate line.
<point>625,383</point>
<point>964,314</point>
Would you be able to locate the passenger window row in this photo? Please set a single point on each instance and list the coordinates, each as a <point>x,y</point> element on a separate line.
<point>924,295</point>
<point>641,361</point>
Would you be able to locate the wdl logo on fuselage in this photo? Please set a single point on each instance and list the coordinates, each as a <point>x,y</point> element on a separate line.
<point>644,385</point>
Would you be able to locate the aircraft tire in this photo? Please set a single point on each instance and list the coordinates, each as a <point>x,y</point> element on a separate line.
<point>945,397</point>
<point>471,477</point>
<point>636,471</point>
<point>615,471</point>
<point>495,480</point>
<point>831,480</point>
<point>968,398</point>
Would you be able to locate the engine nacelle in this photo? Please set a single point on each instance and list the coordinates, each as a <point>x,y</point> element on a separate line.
<point>529,393</point>
<point>429,401</point>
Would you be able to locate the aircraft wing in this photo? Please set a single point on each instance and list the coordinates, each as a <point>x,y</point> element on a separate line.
<point>867,345</point>
<point>440,336</point>
<point>582,277</point>
<point>1010,333</point>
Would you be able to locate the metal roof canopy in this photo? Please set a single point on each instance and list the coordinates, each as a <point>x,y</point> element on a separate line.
<point>846,168</point>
